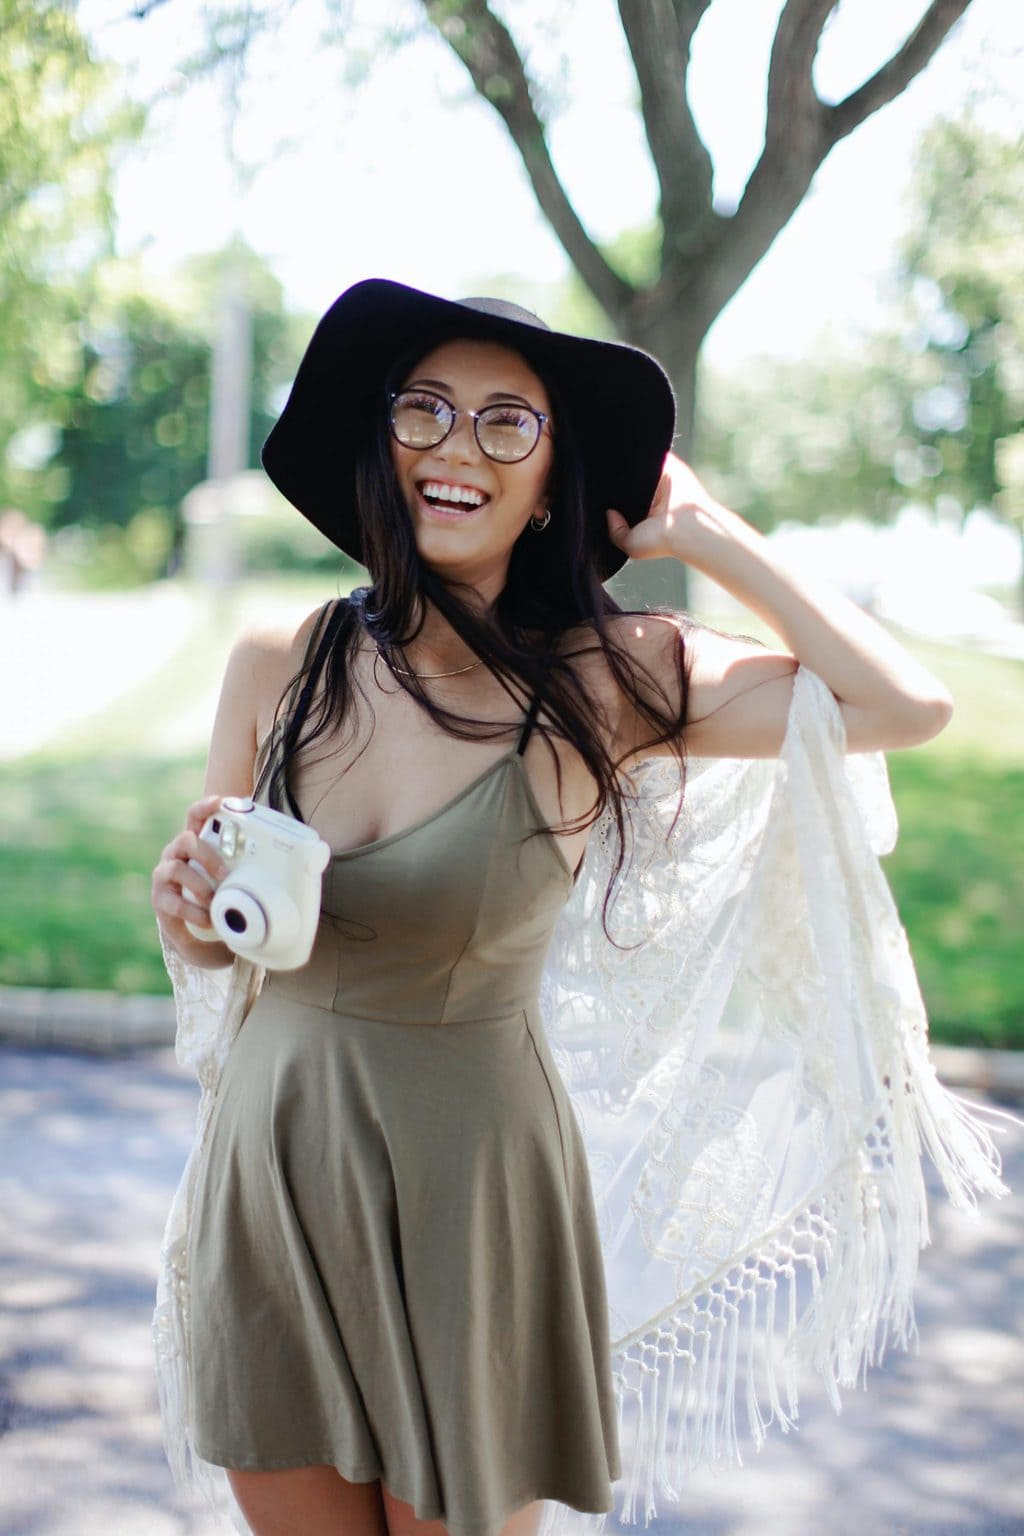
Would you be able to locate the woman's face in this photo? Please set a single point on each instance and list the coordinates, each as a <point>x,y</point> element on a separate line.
<point>462,538</point>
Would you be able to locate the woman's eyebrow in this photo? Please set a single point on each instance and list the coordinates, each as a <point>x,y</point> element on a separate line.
<point>507,394</point>
<point>495,394</point>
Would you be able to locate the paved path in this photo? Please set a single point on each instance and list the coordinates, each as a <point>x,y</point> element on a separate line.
<point>74,653</point>
<point>66,657</point>
<point>90,1150</point>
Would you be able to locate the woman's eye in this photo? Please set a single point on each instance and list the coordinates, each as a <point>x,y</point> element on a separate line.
<point>507,416</point>
<point>429,404</point>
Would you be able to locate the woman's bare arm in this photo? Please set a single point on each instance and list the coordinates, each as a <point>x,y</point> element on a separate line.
<point>258,670</point>
<point>740,693</point>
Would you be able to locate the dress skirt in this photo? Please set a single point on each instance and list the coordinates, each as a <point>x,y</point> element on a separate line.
<point>395,1266</point>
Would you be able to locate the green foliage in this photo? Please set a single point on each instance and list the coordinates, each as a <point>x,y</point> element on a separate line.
<point>931,410</point>
<point>133,419</point>
<point>108,557</point>
<point>61,121</point>
<point>104,380</point>
<point>808,441</point>
<point>962,266</point>
<point>134,432</point>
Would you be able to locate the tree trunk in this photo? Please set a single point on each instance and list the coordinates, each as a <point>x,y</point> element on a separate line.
<point>663,583</point>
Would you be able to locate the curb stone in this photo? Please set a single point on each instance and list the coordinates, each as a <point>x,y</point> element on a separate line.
<point>110,1022</point>
<point>997,1073</point>
<point>101,1022</point>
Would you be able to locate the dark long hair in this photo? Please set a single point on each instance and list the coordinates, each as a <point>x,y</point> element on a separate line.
<point>552,586</point>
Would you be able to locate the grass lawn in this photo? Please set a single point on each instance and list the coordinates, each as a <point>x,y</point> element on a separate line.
<point>957,873</point>
<point>80,832</point>
<point>79,840</point>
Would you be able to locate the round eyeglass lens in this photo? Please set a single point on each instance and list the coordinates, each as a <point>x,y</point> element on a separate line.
<point>507,432</point>
<point>420,420</point>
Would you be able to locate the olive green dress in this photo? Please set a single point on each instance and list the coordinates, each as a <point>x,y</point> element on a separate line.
<point>394,1255</point>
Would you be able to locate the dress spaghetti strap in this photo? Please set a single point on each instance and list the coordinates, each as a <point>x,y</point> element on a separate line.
<point>320,637</point>
<point>528,723</point>
<point>319,632</point>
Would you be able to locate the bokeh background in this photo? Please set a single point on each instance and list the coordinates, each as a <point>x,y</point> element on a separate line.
<point>187,185</point>
<point>820,235</point>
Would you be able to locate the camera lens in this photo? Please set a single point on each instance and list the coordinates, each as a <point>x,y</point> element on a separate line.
<point>238,917</point>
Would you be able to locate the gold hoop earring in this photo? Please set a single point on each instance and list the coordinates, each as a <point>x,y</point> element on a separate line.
<point>538,524</point>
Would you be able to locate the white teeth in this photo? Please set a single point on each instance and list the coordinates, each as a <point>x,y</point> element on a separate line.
<point>458,495</point>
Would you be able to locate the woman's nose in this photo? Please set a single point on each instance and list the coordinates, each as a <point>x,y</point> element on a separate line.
<point>461,443</point>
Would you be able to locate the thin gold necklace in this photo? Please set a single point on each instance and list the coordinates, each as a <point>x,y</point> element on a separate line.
<point>427,676</point>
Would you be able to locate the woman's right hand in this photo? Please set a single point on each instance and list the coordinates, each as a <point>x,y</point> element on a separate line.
<point>172,876</point>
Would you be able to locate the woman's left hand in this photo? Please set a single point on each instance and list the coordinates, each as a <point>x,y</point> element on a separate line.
<point>679,499</point>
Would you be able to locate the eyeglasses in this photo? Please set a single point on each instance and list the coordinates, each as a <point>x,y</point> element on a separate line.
<point>506,431</point>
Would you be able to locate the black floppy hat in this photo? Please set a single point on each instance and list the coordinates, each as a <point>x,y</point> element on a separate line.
<point>619,397</point>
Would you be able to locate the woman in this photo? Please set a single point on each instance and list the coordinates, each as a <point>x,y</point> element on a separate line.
<point>399,1305</point>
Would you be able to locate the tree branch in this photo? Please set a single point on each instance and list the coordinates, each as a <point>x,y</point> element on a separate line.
<point>143,9</point>
<point>800,131</point>
<point>659,41</point>
<point>795,145</point>
<point>688,15</point>
<point>485,47</point>
<point>895,75</point>
<point>791,99</point>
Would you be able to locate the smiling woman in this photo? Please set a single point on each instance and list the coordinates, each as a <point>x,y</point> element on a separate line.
<point>591,1054</point>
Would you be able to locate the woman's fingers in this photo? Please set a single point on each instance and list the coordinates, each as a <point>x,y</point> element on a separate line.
<point>662,496</point>
<point>618,528</point>
<point>180,890</point>
<point>199,810</point>
<point>189,870</point>
<point>171,901</point>
<point>189,845</point>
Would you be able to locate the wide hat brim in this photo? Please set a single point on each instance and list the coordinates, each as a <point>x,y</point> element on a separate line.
<point>620,398</point>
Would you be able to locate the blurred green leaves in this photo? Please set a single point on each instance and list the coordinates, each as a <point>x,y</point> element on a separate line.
<point>962,265</point>
<point>929,410</point>
<point>104,370</point>
<point>135,422</point>
<point>62,119</point>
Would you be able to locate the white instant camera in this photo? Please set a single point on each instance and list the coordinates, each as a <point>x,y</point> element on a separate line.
<point>268,904</point>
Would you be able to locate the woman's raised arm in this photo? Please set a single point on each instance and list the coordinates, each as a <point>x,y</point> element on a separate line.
<point>740,693</point>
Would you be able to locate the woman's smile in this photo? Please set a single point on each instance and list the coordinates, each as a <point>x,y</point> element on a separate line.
<point>451,499</point>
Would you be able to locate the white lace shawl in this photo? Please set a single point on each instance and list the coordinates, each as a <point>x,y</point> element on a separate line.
<point>751,1077</point>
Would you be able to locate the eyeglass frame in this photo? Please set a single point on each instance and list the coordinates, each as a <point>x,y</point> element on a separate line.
<point>541,418</point>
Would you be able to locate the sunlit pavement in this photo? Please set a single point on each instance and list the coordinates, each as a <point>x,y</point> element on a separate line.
<point>90,1151</point>
<point>68,655</point>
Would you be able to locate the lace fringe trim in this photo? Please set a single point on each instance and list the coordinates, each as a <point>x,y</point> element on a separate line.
<point>730,1356</point>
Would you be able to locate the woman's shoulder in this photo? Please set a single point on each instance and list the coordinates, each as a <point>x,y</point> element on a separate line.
<point>267,655</point>
<point>624,625</point>
<point>278,642</point>
<point>644,638</point>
